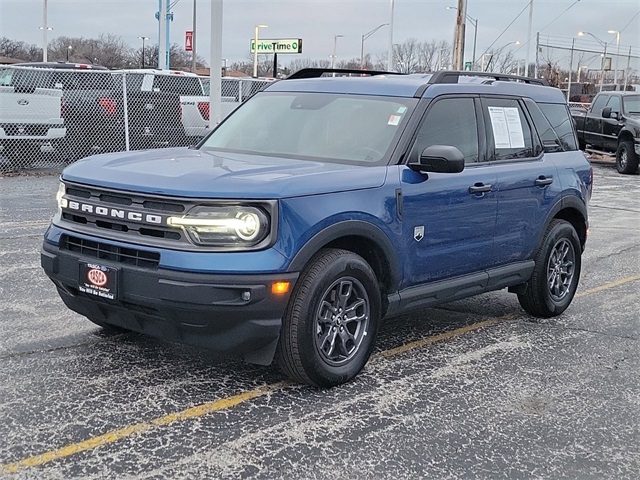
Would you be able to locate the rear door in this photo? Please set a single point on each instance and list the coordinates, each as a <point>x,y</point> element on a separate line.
<point>593,122</point>
<point>527,183</point>
<point>611,126</point>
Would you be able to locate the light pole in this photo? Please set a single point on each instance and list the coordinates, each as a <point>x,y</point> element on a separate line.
<point>390,56</point>
<point>68,50</point>
<point>364,37</point>
<point>45,29</point>
<point>474,22</point>
<point>604,54</point>
<point>615,75</point>
<point>499,51</point>
<point>335,46</point>
<point>255,49</point>
<point>143,39</point>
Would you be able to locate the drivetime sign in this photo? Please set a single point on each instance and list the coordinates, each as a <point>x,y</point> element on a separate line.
<point>282,45</point>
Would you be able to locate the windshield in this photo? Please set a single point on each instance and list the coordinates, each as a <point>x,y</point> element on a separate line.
<point>332,127</point>
<point>632,104</point>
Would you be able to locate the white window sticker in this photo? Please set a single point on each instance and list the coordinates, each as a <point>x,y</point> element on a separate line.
<point>507,128</point>
<point>394,120</point>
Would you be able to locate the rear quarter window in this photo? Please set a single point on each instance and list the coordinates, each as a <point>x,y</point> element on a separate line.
<point>180,85</point>
<point>561,121</point>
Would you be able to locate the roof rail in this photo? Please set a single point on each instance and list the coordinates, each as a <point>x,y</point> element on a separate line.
<point>314,72</point>
<point>452,76</point>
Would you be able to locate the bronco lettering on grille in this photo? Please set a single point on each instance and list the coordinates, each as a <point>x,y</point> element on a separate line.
<point>129,215</point>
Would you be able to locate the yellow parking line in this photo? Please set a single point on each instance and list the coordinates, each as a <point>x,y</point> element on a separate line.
<point>115,435</point>
<point>607,286</point>
<point>229,402</point>
<point>443,336</point>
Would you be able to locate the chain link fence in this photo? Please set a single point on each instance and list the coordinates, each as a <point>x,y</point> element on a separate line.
<point>50,117</point>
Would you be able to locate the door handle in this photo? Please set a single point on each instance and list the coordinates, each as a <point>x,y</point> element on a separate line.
<point>542,181</point>
<point>479,188</point>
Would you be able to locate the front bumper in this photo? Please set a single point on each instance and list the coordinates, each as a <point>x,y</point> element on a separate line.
<point>227,313</point>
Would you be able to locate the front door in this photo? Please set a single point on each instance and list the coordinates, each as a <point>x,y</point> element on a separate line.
<point>448,218</point>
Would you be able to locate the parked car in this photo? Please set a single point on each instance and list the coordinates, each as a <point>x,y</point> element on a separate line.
<point>612,125</point>
<point>94,112</point>
<point>323,205</point>
<point>30,118</point>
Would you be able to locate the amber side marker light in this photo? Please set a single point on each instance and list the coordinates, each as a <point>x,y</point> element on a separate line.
<point>280,288</point>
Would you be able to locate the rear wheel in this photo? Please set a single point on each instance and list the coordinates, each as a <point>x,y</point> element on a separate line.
<point>556,273</point>
<point>330,324</point>
<point>626,157</point>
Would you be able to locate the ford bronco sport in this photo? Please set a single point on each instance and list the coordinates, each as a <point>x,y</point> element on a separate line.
<point>322,206</point>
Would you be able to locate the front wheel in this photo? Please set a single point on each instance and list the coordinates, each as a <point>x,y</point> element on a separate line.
<point>330,325</point>
<point>556,273</point>
<point>626,157</point>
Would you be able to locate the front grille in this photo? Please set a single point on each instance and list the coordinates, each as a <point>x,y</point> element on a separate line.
<point>101,203</point>
<point>111,253</point>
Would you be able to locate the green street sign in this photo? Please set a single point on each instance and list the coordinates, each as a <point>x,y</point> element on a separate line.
<point>277,45</point>
<point>468,66</point>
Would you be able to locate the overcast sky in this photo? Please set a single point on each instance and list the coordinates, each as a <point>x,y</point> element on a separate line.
<point>316,22</point>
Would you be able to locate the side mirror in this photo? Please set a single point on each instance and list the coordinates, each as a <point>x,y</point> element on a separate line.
<point>606,112</point>
<point>439,159</point>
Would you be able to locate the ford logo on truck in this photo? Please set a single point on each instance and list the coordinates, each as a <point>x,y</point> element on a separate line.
<point>23,102</point>
<point>116,213</point>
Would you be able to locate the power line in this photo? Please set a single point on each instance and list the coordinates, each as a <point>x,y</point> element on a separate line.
<point>545,27</point>
<point>507,28</point>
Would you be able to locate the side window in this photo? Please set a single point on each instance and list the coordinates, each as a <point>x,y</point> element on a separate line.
<point>508,130</point>
<point>181,85</point>
<point>449,121</point>
<point>614,103</point>
<point>561,121</point>
<point>599,104</point>
<point>134,82</point>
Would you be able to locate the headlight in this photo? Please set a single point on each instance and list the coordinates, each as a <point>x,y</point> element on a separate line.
<point>62,202</point>
<point>224,226</point>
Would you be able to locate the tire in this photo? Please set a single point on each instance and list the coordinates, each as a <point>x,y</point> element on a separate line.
<point>324,350</point>
<point>555,276</point>
<point>626,157</point>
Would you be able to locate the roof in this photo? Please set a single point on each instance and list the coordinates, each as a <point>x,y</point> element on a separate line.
<point>425,85</point>
<point>62,65</point>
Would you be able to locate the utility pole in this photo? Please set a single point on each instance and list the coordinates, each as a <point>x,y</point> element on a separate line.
<point>458,46</point>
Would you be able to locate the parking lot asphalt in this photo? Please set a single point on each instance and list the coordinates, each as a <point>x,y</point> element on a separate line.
<point>470,389</point>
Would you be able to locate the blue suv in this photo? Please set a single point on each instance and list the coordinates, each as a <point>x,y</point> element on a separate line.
<point>322,206</point>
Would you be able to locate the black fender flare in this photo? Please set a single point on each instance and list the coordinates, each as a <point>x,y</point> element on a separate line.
<point>566,202</point>
<point>349,228</point>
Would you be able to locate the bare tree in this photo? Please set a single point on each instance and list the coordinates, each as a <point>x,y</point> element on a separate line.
<point>19,50</point>
<point>406,56</point>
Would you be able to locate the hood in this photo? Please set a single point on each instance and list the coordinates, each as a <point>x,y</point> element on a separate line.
<point>185,172</point>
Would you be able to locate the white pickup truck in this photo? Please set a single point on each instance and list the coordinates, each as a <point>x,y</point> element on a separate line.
<point>30,117</point>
